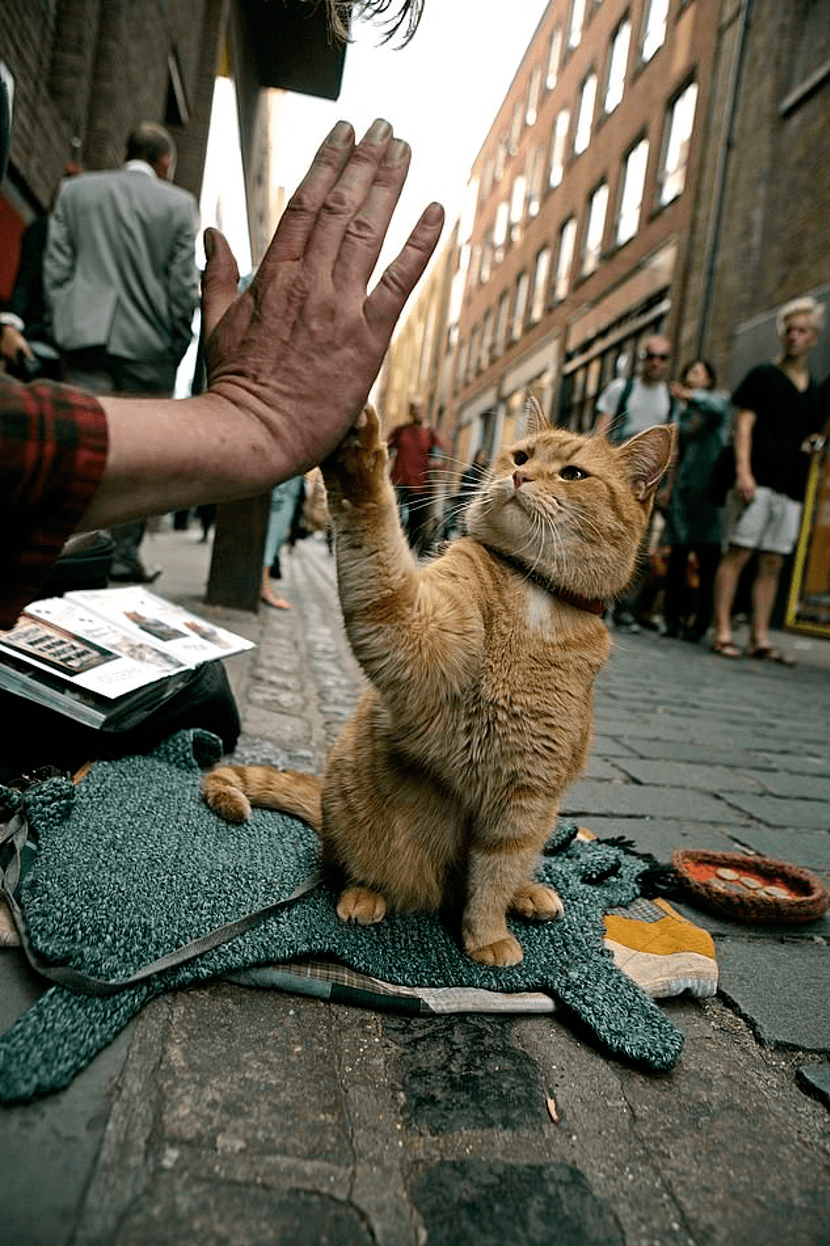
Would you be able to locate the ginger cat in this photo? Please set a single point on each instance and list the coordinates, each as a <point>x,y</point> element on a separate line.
<point>443,788</point>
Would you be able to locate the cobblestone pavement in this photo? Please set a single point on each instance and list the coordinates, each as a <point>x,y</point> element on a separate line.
<point>226,1115</point>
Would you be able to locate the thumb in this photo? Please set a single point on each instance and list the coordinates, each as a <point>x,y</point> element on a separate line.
<point>220,280</point>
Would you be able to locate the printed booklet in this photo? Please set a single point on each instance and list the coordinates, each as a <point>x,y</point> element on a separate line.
<point>106,657</point>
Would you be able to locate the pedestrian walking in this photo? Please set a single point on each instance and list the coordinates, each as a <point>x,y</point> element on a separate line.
<point>121,283</point>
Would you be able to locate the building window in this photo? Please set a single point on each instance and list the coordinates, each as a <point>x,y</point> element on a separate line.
<point>517,207</point>
<point>515,128</point>
<point>533,92</point>
<point>500,231</point>
<point>501,156</point>
<point>587,99</point>
<point>487,180</point>
<point>564,259</point>
<point>535,173</point>
<point>540,285</point>
<point>475,265</point>
<point>597,208</point>
<point>679,126</point>
<point>576,24</point>
<point>559,147</point>
<point>654,27</point>
<point>554,57</point>
<point>517,322</point>
<point>631,198</point>
<point>474,356</point>
<point>501,326</point>
<point>486,265</point>
<point>486,341</point>
<point>461,365</point>
<point>617,64</point>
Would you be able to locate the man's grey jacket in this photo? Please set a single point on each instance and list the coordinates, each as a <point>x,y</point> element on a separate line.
<point>119,269</point>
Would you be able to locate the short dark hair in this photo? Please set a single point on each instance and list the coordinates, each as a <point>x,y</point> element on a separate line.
<point>710,371</point>
<point>149,141</point>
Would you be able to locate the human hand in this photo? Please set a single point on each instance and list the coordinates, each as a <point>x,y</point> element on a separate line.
<point>299,350</point>
<point>745,485</point>
<point>13,344</point>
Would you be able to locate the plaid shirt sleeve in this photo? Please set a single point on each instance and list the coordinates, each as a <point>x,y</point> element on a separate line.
<point>53,450</point>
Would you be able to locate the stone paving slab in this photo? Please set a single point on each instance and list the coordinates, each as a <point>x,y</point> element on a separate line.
<point>778,811</point>
<point>782,989</point>
<point>715,753</point>
<point>587,797</point>
<point>712,778</point>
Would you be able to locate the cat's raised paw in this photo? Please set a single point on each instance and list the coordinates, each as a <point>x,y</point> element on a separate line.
<point>358,463</point>
<point>537,903</point>
<point>501,952</point>
<point>359,904</point>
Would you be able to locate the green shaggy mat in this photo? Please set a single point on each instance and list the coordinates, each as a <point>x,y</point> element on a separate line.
<point>132,864</point>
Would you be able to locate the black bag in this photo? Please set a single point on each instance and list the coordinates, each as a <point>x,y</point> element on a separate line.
<point>38,736</point>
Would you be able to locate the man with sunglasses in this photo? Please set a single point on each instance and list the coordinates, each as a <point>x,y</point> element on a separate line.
<point>625,408</point>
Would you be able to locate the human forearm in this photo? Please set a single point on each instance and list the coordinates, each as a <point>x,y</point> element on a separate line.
<point>172,454</point>
<point>742,441</point>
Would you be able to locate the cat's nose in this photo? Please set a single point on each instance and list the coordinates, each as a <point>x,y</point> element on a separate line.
<point>520,479</point>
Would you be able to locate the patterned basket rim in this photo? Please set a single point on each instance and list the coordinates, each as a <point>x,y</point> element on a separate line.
<point>806,907</point>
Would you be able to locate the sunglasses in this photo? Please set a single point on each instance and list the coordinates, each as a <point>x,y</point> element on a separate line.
<point>653,354</point>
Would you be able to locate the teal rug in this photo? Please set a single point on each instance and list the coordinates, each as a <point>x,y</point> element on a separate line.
<point>131,864</point>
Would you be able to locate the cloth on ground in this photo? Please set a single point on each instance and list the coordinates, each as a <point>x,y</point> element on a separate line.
<point>132,863</point>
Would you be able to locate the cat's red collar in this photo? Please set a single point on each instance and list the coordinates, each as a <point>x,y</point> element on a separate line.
<point>593,605</point>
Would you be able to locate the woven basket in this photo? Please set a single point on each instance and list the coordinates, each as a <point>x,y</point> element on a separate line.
<point>810,900</point>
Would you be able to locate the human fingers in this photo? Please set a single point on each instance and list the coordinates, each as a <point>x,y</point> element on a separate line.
<point>220,280</point>
<point>385,304</point>
<point>348,196</point>
<point>300,216</point>
<point>365,233</point>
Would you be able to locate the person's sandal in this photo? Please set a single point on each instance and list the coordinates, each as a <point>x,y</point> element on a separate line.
<point>765,653</point>
<point>726,649</point>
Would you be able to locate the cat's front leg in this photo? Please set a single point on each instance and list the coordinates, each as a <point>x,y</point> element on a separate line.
<point>499,866</point>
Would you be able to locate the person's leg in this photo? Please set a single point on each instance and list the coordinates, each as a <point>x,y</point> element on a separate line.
<point>674,600</point>
<point>726,582</point>
<point>707,561</point>
<point>764,591</point>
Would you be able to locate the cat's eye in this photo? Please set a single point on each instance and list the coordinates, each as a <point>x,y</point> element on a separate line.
<point>520,457</point>
<point>571,472</point>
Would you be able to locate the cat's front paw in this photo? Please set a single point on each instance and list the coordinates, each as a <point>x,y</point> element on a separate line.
<point>537,903</point>
<point>361,905</point>
<point>502,952</point>
<point>353,472</point>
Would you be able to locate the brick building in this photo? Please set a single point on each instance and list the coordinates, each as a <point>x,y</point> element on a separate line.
<point>84,72</point>
<point>759,233</point>
<point>579,212</point>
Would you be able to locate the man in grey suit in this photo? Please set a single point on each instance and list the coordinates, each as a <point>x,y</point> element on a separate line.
<point>121,282</point>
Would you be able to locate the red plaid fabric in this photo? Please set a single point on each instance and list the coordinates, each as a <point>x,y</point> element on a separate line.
<point>53,450</point>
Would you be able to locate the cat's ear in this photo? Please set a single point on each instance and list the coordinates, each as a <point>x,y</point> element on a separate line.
<point>535,419</point>
<point>647,456</point>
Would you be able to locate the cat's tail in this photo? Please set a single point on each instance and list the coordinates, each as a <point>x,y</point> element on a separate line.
<point>232,790</point>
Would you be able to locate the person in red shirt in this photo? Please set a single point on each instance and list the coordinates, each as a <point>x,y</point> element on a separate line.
<point>415,448</point>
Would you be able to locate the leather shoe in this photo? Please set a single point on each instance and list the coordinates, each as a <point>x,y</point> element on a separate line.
<point>138,576</point>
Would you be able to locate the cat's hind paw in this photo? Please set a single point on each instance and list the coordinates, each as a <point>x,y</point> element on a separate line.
<point>222,792</point>
<point>501,952</point>
<point>361,905</point>
<point>537,903</point>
